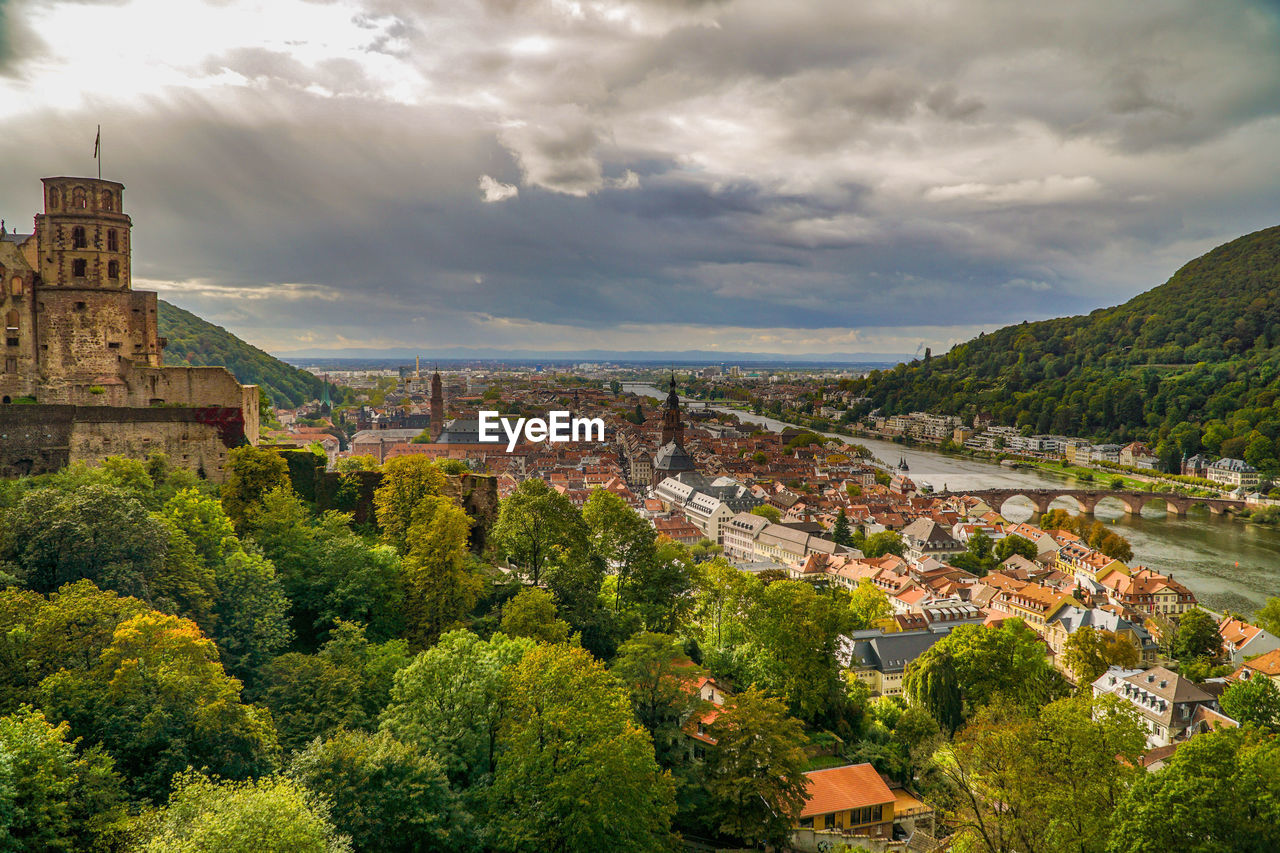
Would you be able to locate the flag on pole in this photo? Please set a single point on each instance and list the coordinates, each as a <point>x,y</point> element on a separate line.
<point>97,141</point>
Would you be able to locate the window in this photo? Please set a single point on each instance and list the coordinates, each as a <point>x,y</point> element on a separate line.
<point>78,199</point>
<point>828,821</point>
<point>11,322</point>
<point>10,366</point>
<point>806,823</point>
<point>15,286</point>
<point>108,200</point>
<point>54,199</point>
<point>113,269</point>
<point>79,268</point>
<point>78,240</point>
<point>113,240</point>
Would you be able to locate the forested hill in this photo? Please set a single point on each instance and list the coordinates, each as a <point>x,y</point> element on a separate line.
<point>199,343</point>
<point>1192,364</point>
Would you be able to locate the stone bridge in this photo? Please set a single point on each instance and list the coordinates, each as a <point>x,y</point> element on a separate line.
<point>1088,499</point>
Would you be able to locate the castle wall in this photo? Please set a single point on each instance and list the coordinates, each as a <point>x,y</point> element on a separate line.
<point>41,439</point>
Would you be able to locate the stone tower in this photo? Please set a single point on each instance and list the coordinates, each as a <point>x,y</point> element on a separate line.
<point>81,350</point>
<point>672,428</point>
<point>437,405</point>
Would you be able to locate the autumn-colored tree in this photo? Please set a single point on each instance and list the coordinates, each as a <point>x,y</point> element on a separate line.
<point>406,482</point>
<point>251,472</point>
<point>1089,652</point>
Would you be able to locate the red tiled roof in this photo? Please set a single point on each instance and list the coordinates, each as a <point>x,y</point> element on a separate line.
<point>840,788</point>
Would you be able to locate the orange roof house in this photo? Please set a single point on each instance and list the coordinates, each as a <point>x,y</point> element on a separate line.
<point>852,798</point>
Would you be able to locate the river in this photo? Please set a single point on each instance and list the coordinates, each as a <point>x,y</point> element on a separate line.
<point>1228,564</point>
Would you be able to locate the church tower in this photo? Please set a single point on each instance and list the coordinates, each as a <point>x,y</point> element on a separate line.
<point>672,428</point>
<point>437,406</point>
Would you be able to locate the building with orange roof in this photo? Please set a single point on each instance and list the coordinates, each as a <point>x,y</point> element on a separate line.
<point>1267,665</point>
<point>1241,639</point>
<point>852,800</point>
<point>1147,591</point>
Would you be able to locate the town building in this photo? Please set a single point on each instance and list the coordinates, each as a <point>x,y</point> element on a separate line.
<point>1235,473</point>
<point>1171,708</point>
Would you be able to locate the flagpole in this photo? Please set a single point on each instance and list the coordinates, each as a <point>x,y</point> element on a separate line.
<point>97,150</point>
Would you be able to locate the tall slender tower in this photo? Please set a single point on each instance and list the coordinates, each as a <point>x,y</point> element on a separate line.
<point>672,428</point>
<point>437,405</point>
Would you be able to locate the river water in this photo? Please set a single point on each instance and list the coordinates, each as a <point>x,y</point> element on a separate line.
<point>1228,564</point>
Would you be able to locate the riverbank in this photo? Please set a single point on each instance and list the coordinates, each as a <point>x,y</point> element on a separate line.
<point>1227,564</point>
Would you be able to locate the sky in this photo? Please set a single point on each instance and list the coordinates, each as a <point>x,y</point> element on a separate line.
<point>808,176</point>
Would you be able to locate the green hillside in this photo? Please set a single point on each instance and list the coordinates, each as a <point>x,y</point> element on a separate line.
<point>1192,364</point>
<point>199,343</point>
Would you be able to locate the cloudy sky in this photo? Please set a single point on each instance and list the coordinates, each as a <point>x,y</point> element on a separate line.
<point>798,176</point>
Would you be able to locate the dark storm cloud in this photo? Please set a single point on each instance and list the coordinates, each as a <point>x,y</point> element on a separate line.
<point>548,172</point>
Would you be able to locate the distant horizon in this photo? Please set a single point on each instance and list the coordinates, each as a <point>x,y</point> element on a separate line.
<point>690,357</point>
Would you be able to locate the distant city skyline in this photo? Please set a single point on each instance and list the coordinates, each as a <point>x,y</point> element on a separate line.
<point>652,175</point>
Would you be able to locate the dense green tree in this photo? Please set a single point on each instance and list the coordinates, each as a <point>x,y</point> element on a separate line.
<point>840,533</point>
<point>532,613</point>
<point>569,730</point>
<point>385,795</point>
<point>884,542</point>
<point>661,680</point>
<point>661,588</point>
<point>346,683</point>
<point>52,795</point>
<point>268,815</point>
<point>158,700</point>
<point>328,572</point>
<point>1255,701</point>
<point>619,537</point>
<point>1014,544</point>
<point>933,683</point>
<point>250,472</point>
<point>252,622</point>
<point>1047,782</point>
<point>790,651</point>
<point>1089,652</point>
<point>1197,636</point>
<point>768,511</point>
<point>1268,616</point>
<point>755,774</point>
<point>440,584</point>
<point>406,482</point>
<point>867,604</point>
<point>451,699</point>
<point>538,528</point>
<point>1219,793</point>
<point>987,663</point>
<point>96,532</point>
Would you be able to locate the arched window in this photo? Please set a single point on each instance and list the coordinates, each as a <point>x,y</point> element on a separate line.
<point>11,322</point>
<point>108,199</point>
<point>79,200</point>
<point>113,269</point>
<point>55,199</point>
<point>113,241</point>
<point>15,286</point>
<point>78,240</point>
<point>79,268</point>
